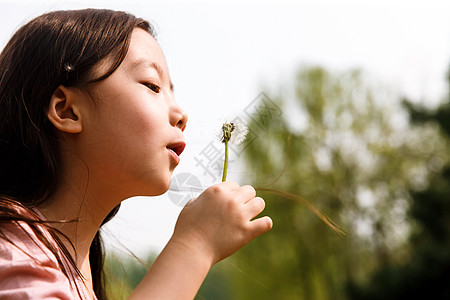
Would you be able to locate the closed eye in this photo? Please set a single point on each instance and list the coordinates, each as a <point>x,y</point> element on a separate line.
<point>155,88</point>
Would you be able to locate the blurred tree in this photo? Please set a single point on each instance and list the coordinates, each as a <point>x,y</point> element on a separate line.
<point>348,148</point>
<point>426,273</point>
<point>123,274</point>
<point>215,286</point>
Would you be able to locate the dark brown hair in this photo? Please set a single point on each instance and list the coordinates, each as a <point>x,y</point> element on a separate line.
<point>57,48</point>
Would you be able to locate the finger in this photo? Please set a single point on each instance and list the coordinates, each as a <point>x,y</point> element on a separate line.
<point>230,184</point>
<point>260,226</point>
<point>226,186</point>
<point>254,207</point>
<point>247,192</point>
<point>191,202</point>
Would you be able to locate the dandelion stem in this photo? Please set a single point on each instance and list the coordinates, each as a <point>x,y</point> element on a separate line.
<point>309,205</point>
<point>225,162</point>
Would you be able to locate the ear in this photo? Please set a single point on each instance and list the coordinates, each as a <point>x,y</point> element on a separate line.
<point>63,111</point>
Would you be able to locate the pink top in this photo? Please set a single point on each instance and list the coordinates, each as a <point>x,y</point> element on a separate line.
<point>29,270</point>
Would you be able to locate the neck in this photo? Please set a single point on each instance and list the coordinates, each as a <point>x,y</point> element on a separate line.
<point>84,203</point>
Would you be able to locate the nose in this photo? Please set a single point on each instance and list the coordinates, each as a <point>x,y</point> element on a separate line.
<point>178,117</point>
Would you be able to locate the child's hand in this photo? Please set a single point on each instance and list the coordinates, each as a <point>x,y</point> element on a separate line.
<point>209,228</point>
<point>219,222</point>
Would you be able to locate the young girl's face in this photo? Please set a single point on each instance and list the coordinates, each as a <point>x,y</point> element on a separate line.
<point>132,135</point>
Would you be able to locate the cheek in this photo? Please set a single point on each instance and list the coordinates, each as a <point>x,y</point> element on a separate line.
<point>121,137</point>
<point>133,119</point>
<point>145,127</point>
<point>144,139</point>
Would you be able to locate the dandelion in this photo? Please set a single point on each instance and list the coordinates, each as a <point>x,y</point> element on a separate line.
<point>234,133</point>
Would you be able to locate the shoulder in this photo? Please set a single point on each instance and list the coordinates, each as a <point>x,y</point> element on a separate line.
<point>28,269</point>
<point>20,242</point>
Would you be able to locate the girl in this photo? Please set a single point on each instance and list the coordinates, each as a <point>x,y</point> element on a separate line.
<point>88,119</point>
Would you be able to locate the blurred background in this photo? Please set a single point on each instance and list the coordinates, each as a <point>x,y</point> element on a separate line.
<point>348,109</point>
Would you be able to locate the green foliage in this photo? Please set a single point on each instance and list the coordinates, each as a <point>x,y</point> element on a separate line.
<point>123,274</point>
<point>356,159</point>
<point>216,285</point>
<point>425,274</point>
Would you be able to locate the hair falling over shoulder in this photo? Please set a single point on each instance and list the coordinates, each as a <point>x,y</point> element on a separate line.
<point>57,48</point>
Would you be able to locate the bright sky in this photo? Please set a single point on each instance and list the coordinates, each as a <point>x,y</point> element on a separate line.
<point>222,54</point>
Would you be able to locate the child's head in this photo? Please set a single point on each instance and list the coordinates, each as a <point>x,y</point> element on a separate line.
<point>84,90</point>
<point>71,49</point>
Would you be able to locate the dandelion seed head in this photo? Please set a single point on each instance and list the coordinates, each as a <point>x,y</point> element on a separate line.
<point>239,133</point>
<point>233,132</point>
<point>227,129</point>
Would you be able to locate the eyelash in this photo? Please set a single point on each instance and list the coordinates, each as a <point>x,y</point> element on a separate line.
<point>155,88</point>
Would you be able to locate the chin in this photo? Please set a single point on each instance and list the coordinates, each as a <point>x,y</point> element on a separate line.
<point>159,188</point>
<point>152,186</point>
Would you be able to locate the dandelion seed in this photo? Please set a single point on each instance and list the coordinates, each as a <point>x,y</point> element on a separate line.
<point>239,133</point>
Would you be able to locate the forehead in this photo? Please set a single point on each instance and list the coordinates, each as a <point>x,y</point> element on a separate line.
<point>143,52</point>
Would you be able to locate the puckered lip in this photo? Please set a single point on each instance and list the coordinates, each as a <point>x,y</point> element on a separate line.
<point>177,147</point>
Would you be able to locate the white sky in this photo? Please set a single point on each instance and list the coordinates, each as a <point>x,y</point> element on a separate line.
<point>221,55</point>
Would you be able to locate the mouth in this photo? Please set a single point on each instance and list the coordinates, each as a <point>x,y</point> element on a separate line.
<point>177,148</point>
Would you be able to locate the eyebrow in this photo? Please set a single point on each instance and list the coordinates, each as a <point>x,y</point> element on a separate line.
<point>144,63</point>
